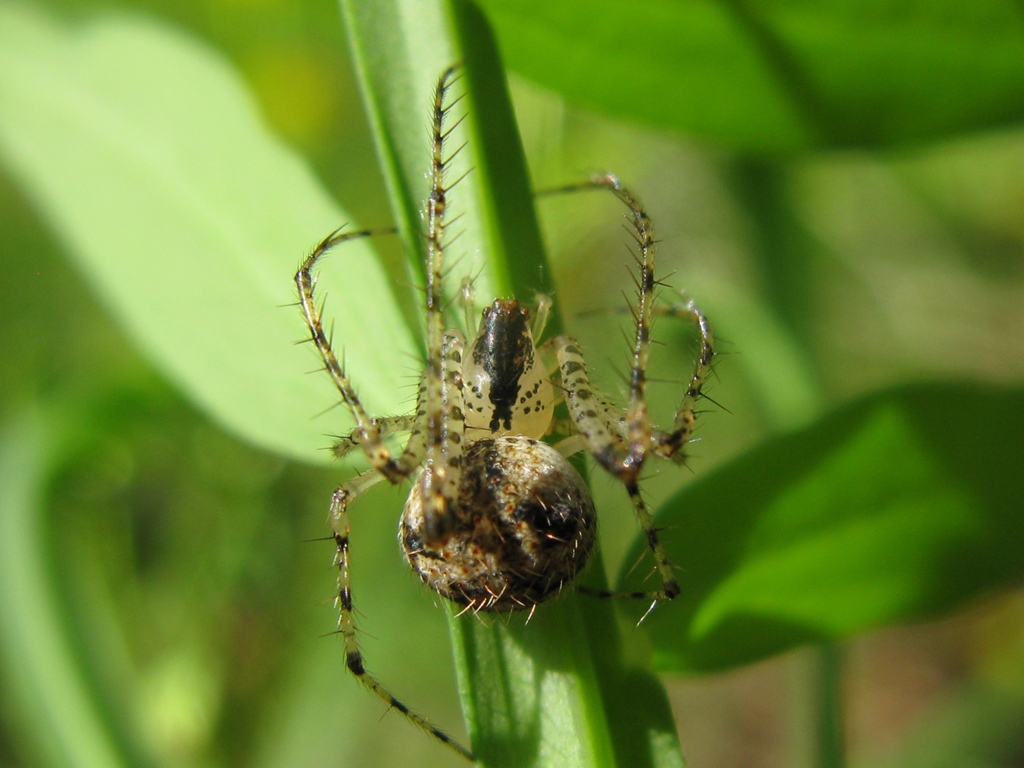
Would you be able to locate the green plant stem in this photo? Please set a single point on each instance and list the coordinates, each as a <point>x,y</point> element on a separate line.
<point>830,743</point>
<point>48,688</point>
<point>785,252</point>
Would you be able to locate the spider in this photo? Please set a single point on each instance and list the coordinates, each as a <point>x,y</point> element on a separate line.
<point>497,519</point>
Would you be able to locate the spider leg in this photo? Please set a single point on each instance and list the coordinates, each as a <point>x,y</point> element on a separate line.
<point>467,301</point>
<point>668,444</point>
<point>571,445</point>
<point>639,424</point>
<point>346,622</point>
<point>442,472</point>
<point>388,427</point>
<point>445,414</point>
<point>621,444</point>
<point>415,446</point>
<point>606,436</point>
<point>638,421</point>
<point>663,443</point>
<point>610,428</point>
<point>368,430</point>
<point>541,314</point>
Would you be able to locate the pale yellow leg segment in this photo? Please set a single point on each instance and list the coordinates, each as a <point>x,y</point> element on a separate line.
<point>467,300</point>
<point>443,473</point>
<point>541,313</point>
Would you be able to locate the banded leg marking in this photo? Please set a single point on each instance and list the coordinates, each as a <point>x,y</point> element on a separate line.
<point>443,473</point>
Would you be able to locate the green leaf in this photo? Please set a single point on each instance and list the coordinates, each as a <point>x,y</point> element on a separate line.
<point>899,506</point>
<point>57,706</point>
<point>768,77</point>
<point>145,153</point>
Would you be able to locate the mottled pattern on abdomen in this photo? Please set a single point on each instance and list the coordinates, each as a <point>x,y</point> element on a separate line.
<point>525,526</point>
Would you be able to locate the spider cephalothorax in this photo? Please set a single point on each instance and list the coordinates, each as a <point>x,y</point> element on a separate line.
<point>497,519</point>
<point>505,376</point>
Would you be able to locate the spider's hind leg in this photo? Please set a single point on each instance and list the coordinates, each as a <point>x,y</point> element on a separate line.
<point>346,622</point>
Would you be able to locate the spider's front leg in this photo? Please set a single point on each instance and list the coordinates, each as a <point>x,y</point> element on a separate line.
<point>644,436</point>
<point>368,430</point>
<point>445,415</point>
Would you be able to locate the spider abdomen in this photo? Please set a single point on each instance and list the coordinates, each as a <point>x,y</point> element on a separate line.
<point>524,527</point>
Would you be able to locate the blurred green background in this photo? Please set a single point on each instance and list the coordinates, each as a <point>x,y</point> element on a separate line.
<point>165,595</point>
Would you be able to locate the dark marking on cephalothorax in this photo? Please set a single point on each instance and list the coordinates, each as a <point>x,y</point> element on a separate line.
<point>504,349</point>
